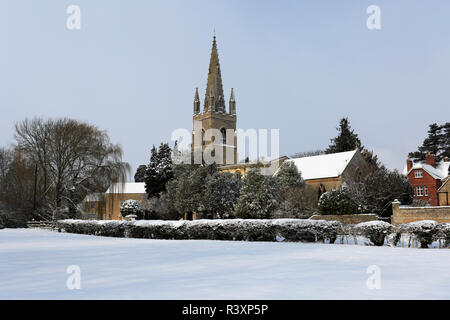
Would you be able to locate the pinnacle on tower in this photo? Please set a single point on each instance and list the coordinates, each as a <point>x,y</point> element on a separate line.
<point>196,102</point>
<point>232,102</point>
<point>214,100</point>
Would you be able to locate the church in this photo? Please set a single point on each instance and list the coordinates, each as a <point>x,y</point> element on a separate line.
<point>215,130</point>
<point>215,117</point>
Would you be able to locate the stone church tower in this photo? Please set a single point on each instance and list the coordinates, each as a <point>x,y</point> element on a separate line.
<point>215,116</point>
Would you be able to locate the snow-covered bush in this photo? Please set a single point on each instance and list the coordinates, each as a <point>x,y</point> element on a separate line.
<point>93,227</point>
<point>292,230</point>
<point>425,231</point>
<point>375,231</point>
<point>444,232</point>
<point>337,202</point>
<point>132,207</point>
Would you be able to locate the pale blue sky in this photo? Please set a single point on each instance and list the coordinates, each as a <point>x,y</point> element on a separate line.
<point>295,65</point>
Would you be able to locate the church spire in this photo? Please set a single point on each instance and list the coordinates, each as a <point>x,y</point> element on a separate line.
<point>214,86</point>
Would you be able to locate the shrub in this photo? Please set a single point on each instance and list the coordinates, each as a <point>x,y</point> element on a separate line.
<point>337,202</point>
<point>132,207</point>
<point>375,231</point>
<point>425,231</point>
<point>161,208</point>
<point>444,231</point>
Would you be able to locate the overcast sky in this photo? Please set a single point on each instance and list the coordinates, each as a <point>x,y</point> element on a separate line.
<point>297,66</point>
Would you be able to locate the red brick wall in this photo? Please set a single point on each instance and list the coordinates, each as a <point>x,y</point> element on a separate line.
<point>428,181</point>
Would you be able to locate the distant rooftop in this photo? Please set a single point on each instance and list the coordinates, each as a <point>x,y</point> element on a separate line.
<point>323,166</point>
<point>127,188</point>
<point>440,172</point>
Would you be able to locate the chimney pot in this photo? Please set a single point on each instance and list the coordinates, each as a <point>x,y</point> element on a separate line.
<point>431,159</point>
<point>409,164</point>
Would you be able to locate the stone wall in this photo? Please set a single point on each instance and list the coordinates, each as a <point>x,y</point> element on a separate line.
<point>403,214</point>
<point>347,219</point>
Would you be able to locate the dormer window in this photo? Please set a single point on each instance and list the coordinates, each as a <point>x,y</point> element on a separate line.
<point>418,174</point>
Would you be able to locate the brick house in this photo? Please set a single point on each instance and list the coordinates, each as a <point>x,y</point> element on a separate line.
<point>427,178</point>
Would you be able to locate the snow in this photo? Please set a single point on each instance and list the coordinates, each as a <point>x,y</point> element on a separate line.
<point>323,166</point>
<point>33,265</point>
<point>127,188</point>
<point>440,172</point>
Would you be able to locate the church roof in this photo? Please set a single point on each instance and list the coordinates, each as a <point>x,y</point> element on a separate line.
<point>323,166</point>
<point>127,188</point>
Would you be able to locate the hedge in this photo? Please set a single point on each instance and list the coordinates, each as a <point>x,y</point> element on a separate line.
<point>292,230</point>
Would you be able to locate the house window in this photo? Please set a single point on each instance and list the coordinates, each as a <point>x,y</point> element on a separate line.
<point>418,174</point>
<point>419,191</point>
<point>426,191</point>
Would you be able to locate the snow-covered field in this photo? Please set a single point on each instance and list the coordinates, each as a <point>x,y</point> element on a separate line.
<point>33,265</point>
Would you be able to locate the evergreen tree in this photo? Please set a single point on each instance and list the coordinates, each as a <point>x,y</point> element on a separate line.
<point>346,140</point>
<point>432,144</point>
<point>159,171</point>
<point>187,189</point>
<point>446,140</point>
<point>381,188</point>
<point>337,202</point>
<point>258,199</point>
<point>140,173</point>
<point>289,177</point>
<point>222,191</point>
<point>293,195</point>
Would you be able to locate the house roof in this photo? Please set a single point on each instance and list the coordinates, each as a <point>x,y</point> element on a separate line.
<point>440,172</point>
<point>445,181</point>
<point>127,188</point>
<point>323,166</point>
<point>93,197</point>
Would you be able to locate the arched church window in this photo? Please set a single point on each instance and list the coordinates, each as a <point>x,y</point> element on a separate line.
<point>224,135</point>
<point>322,190</point>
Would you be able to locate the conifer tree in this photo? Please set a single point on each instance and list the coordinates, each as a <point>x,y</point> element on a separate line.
<point>258,199</point>
<point>437,143</point>
<point>346,140</point>
<point>140,173</point>
<point>159,170</point>
<point>446,140</point>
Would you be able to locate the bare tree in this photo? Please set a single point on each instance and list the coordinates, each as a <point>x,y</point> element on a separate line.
<point>74,158</point>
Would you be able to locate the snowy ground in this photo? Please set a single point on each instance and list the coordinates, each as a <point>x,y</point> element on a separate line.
<point>33,265</point>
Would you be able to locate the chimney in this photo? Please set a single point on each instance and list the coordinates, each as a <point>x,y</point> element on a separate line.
<point>409,164</point>
<point>431,160</point>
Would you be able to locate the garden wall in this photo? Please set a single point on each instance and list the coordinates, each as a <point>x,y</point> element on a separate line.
<point>403,214</point>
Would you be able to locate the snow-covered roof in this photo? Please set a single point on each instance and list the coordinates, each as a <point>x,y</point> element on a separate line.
<point>323,166</point>
<point>440,172</point>
<point>127,187</point>
<point>93,197</point>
